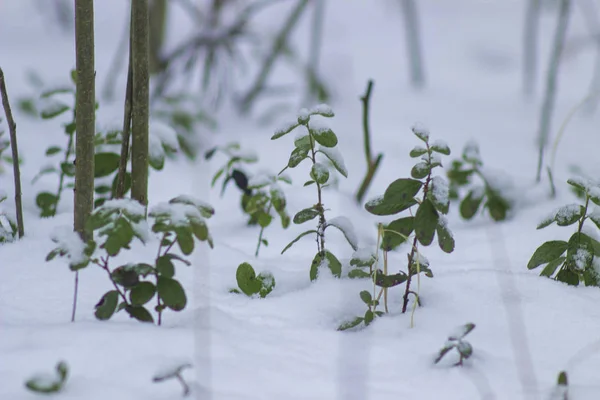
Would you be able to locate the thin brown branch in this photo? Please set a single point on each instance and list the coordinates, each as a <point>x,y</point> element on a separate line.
<point>12,128</point>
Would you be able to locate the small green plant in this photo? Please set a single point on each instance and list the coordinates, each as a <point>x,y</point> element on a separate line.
<point>578,263</point>
<point>8,228</point>
<point>427,221</point>
<point>174,372</point>
<point>305,147</point>
<point>561,391</point>
<point>479,197</point>
<point>455,341</point>
<point>107,144</point>
<point>45,383</point>
<point>251,284</point>
<point>116,224</point>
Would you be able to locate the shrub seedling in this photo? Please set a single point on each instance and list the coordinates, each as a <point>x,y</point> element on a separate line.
<point>305,147</point>
<point>251,284</point>
<point>483,196</point>
<point>577,264</point>
<point>44,383</point>
<point>561,391</point>
<point>174,372</point>
<point>455,341</point>
<point>117,223</point>
<point>401,195</point>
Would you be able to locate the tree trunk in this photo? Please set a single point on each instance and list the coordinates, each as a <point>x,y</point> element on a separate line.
<point>140,101</point>
<point>85,106</point>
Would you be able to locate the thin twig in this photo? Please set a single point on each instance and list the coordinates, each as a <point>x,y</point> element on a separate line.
<point>125,137</point>
<point>75,290</point>
<point>12,127</point>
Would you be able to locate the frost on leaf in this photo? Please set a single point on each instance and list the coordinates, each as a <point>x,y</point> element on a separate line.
<point>421,132</point>
<point>568,214</point>
<point>363,257</point>
<point>471,153</point>
<point>322,109</point>
<point>177,214</point>
<point>581,259</point>
<point>320,173</point>
<point>284,129</point>
<point>164,134</point>
<point>440,194</point>
<point>345,225</point>
<point>336,159</point>
<point>441,147</point>
<point>303,116</point>
<point>260,180</point>
<point>70,243</point>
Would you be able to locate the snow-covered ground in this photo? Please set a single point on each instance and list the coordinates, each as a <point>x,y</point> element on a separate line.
<point>528,328</point>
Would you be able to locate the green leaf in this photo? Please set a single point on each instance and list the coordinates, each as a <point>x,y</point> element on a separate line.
<point>567,276</point>
<point>308,183</point>
<point>41,384</point>
<point>421,133</point>
<point>397,232</point>
<point>284,131</point>
<point>562,379</point>
<point>402,191</point>
<point>320,173</point>
<point>53,150</point>
<point>388,281</point>
<point>267,281</point>
<point>336,159</point>
<point>325,260</point>
<point>470,204</point>
<point>156,160</point>
<point>105,164</point>
<point>297,238</point>
<point>569,214</point>
<point>68,168</point>
<point>142,293</point>
<point>358,274</point>
<point>350,324</point>
<point>417,151</point>
<point>199,229</point>
<point>305,215</point>
<point>125,276</point>
<point>140,313</point>
<point>366,297</point>
<point>107,305</point>
<point>438,194</point>
<point>369,317</point>
<point>54,109</point>
<point>142,269</point>
<point>324,136</point>
<point>298,155</point>
<point>185,240</point>
<point>246,279</point>
<point>119,237</point>
<point>444,235</point>
<point>497,206</point>
<point>550,269</point>
<point>216,177</point>
<point>547,252</point>
<point>171,293</point>
<point>277,199</point>
<point>426,222</point>
<point>580,252</point>
<point>420,170</point>
<point>382,207</point>
<point>440,147</point>
<point>47,203</point>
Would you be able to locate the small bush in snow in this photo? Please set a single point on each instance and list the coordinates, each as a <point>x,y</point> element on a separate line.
<point>455,341</point>
<point>107,146</point>
<point>8,229</point>
<point>561,391</point>
<point>261,195</point>
<point>116,224</point>
<point>479,197</point>
<point>425,223</point>
<point>251,284</point>
<point>574,259</point>
<point>305,148</point>
<point>45,383</point>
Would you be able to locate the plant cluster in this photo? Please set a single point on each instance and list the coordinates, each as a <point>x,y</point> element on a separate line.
<point>574,259</point>
<point>483,196</point>
<point>8,228</point>
<point>261,194</point>
<point>455,341</point>
<point>305,148</point>
<point>45,383</point>
<point>50,105</point>
<point>251,284</point>
<point>427,221</point>
<point>116,224</point>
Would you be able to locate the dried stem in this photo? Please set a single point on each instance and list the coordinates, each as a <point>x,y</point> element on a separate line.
<point>12,127</point>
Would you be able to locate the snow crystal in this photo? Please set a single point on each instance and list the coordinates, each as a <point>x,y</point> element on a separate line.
<point>318,126</point>
<point>443,222</point>
<point>568,212</point>
<point>580,258</point>
<point>70,242</point>
<point>322,109</point>
<point>303,115</point>
<point>365,255</point>
<point>440,189</point>
<point>583,182</point>
<point>259,180</point>
<point>346,226</point>
<point>440,144</point>
<point>164,133</point>
<point>287,127</point>
<point>421,130</point>
<point>130,206</point>
<point>179,214</point>
<point>336,158</point>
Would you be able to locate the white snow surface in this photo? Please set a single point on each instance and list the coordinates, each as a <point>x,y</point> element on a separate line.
<point>286,346</point>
